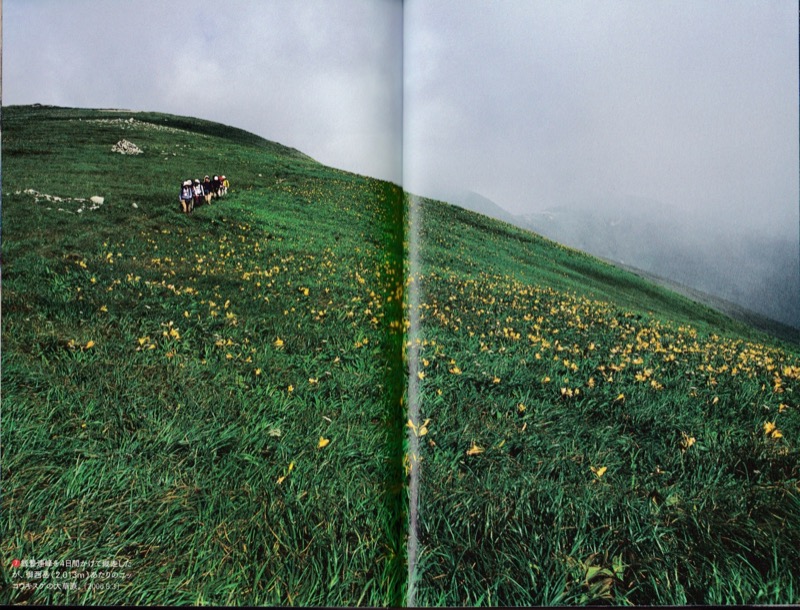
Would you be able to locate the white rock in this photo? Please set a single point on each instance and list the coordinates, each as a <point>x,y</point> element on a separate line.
<point>97,200</point>
<point>125,147</point>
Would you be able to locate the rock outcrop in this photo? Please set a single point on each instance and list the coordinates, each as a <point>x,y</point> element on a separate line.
<point>125,147</point>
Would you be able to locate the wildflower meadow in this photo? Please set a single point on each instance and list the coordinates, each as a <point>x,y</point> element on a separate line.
<point>210,408</point>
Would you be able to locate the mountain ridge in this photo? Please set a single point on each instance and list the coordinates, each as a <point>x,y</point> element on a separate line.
<point>651,242</point>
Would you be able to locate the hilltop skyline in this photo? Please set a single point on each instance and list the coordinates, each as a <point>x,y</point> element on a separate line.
<point>534,105</point>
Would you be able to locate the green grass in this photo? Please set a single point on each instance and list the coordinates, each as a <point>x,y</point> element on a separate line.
<point>167,380</point>
<point>593,438</point>
<point>166,442</point>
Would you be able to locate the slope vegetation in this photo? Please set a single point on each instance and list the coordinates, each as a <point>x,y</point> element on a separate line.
<point>591,437</point>
<point>212,404</point>
<point>211,400</point>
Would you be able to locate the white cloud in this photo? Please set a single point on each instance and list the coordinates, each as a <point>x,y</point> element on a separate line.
<point>268,66</point>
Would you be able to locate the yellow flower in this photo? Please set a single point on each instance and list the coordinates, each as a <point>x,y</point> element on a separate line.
<point>323,442</point>
<point>278,342</point>
<point>418,431</point>
<point>313,380</point>
<point>771,430</point>
<point>475,449</point>
<point>421,375</point>
<point>283,478</point>
<point>290,389</point>
<point>455,370</point>
<point>258,371</point>
<point>599,472</point>
<point>90,344</point>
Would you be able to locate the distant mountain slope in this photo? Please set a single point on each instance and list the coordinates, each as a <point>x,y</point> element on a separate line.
<point>504,248</point>
<point>759,273</point>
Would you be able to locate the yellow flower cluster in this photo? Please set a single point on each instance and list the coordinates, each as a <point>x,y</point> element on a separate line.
<point>587,344</point>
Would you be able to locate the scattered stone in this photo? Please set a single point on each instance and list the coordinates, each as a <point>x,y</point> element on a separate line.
<point>135,205</point>
<point>96,201</point>
<point>131,123</point>
<point>125,147</point>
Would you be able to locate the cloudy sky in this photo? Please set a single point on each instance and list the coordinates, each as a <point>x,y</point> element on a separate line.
<point>540,103</point>
<point>323,76</point>
<point>531,103</point>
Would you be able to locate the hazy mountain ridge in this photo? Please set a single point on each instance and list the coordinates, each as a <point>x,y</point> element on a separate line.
<point>758,274</point>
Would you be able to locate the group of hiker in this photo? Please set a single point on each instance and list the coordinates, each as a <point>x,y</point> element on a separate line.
<point>194,191</point>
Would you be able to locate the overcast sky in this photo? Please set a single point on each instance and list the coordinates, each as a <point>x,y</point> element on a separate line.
<point>536,103</point>
<point>323,76</point>
<point>531,103</point>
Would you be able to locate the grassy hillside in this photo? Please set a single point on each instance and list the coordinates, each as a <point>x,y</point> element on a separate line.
<point>211,400</point>
<point>593,438</point>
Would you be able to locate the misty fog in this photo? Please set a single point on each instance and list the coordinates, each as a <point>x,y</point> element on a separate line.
<point>749,266</point>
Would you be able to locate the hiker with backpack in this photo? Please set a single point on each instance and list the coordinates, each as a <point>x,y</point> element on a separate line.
<point>193,192</point>
<point>197,192</point>
<point>208,193</point>
<point>186,197</point>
